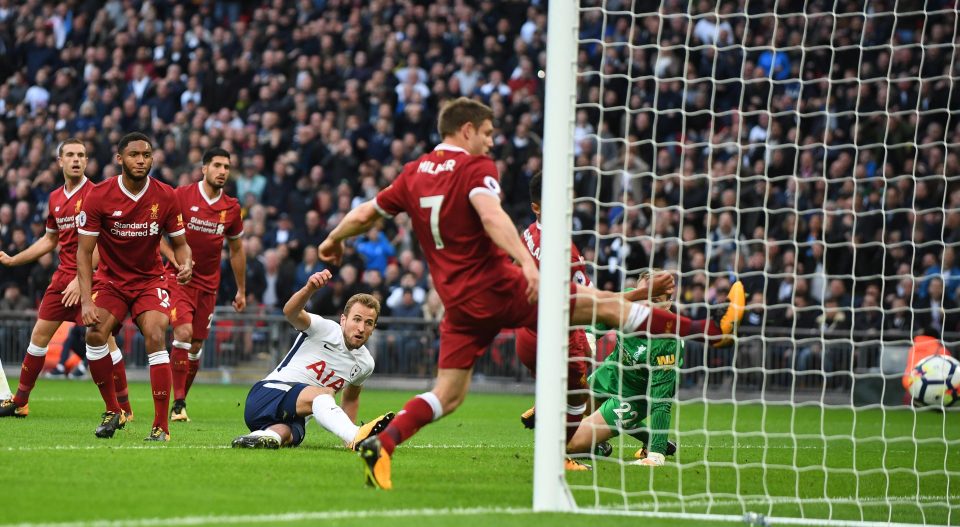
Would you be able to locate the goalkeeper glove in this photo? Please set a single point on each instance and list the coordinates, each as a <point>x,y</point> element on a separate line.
<point>653,459</point>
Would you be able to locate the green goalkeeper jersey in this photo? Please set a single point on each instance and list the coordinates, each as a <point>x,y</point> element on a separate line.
<point>640,375</point>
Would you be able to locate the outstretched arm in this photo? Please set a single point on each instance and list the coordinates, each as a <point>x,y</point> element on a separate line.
<point>357,221</point>
<point>503,233</point>
<point>293,309</point>
<point>39,248</point>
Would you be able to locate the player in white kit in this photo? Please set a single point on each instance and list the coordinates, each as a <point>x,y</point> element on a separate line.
<point>326,358</point>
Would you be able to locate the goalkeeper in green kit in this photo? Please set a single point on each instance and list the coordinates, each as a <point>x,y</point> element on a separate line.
<point>635,387</point>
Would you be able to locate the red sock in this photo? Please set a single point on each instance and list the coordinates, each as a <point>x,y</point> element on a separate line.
<point>178,363</point>
<point>573,422</point>
<point>120,386</point>
<point>416,414</point>
<point>160,381</point>
<point>32,366</point>
<point>193,367</point>
<point>101,370</point>
<point>662,321</point>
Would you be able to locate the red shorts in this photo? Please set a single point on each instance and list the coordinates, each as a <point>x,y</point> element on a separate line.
<point>126,299</point>
<point>51,306</point>
<point>579,351</point>
<point>469,327</point>
<point>189,304</point>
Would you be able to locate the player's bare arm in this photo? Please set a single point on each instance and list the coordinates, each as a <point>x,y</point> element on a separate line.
<point>167,252</point>
<point>238,263</point>
<point>71,293</point>
<point>85,247</point>
<point>357,221</point>
<point>350,401</point>
<point>500,228</point>
<point>39,248</point>
<point>182,253</point>
<point>293,309</point>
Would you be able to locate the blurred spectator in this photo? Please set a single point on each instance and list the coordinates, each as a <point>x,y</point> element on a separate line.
<point>375,249</point>
<point>784,153</point>
<point>13,299</point>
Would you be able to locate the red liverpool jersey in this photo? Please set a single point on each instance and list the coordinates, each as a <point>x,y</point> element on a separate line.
<point>207,222</point>
<point>62,219</point>
<point>435,192</point>
<point>128,229</point>
<point>578,269</point>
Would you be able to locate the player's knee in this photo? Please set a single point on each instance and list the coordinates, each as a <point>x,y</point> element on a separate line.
<point>183,332</point>
<point>153,340</point>
<point>96,336</point>
<point>40,338</point>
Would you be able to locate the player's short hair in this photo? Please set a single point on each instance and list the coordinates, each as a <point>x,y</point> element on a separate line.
<point>69,141</point>
<point>364,300</point>
<point>536,186</point>
<point>131,137</point>
<point>212,153</point>
<point>459,112</point>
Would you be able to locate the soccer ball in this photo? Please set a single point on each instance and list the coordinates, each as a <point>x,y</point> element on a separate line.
<point>935,381</point>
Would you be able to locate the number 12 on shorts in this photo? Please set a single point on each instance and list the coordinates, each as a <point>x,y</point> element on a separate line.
<point>164,297</point>
<point>434,203</point>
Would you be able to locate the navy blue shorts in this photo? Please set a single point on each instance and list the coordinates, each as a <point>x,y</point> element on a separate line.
<point>273,402</point>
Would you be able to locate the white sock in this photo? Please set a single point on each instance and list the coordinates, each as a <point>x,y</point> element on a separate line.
<point>116,356</point>
<point>157,358</point>
<point>36,351</point>
<point>96,352</point>
<point>4,387</point>
<point>329,415</point>
<point>434,402</point>
<point>268,433</point>
<point>638,315</point>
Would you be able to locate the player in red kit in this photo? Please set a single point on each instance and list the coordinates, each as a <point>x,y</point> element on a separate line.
<point>125,217</point>
<point>452,196</point>
<point>209,216</point>
<point>61,300</point>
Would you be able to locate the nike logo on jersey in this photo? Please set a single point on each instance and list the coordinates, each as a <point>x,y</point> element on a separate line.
<point>329,348</point>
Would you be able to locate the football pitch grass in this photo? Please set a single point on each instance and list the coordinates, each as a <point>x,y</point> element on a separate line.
<point>473,468</point>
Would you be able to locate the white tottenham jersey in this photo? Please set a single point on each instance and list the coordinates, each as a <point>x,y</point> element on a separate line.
<point>320,358</point>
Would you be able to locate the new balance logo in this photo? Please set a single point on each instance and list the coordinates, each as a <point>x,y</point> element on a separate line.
<point>194,208</point>
<point>56,209</point>
<point>118,213</point>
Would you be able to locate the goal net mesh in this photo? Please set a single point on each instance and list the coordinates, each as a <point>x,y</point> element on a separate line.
<point>810,150</point>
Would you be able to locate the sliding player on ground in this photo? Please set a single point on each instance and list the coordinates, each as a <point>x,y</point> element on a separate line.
<point>637,385</point>
<point>326,358</point>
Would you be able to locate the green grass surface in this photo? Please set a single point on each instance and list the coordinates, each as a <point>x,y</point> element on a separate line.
<point>474,468</point>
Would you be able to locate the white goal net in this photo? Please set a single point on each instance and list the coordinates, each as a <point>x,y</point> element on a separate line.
<point>811,151</point>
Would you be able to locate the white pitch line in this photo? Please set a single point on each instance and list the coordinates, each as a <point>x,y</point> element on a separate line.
<point>405,447</point>
<point>224,447</point>
<point>668,503</point>
<point>277,518</point>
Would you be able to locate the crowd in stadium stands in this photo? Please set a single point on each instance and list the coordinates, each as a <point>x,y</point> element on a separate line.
<point>818,161</point>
